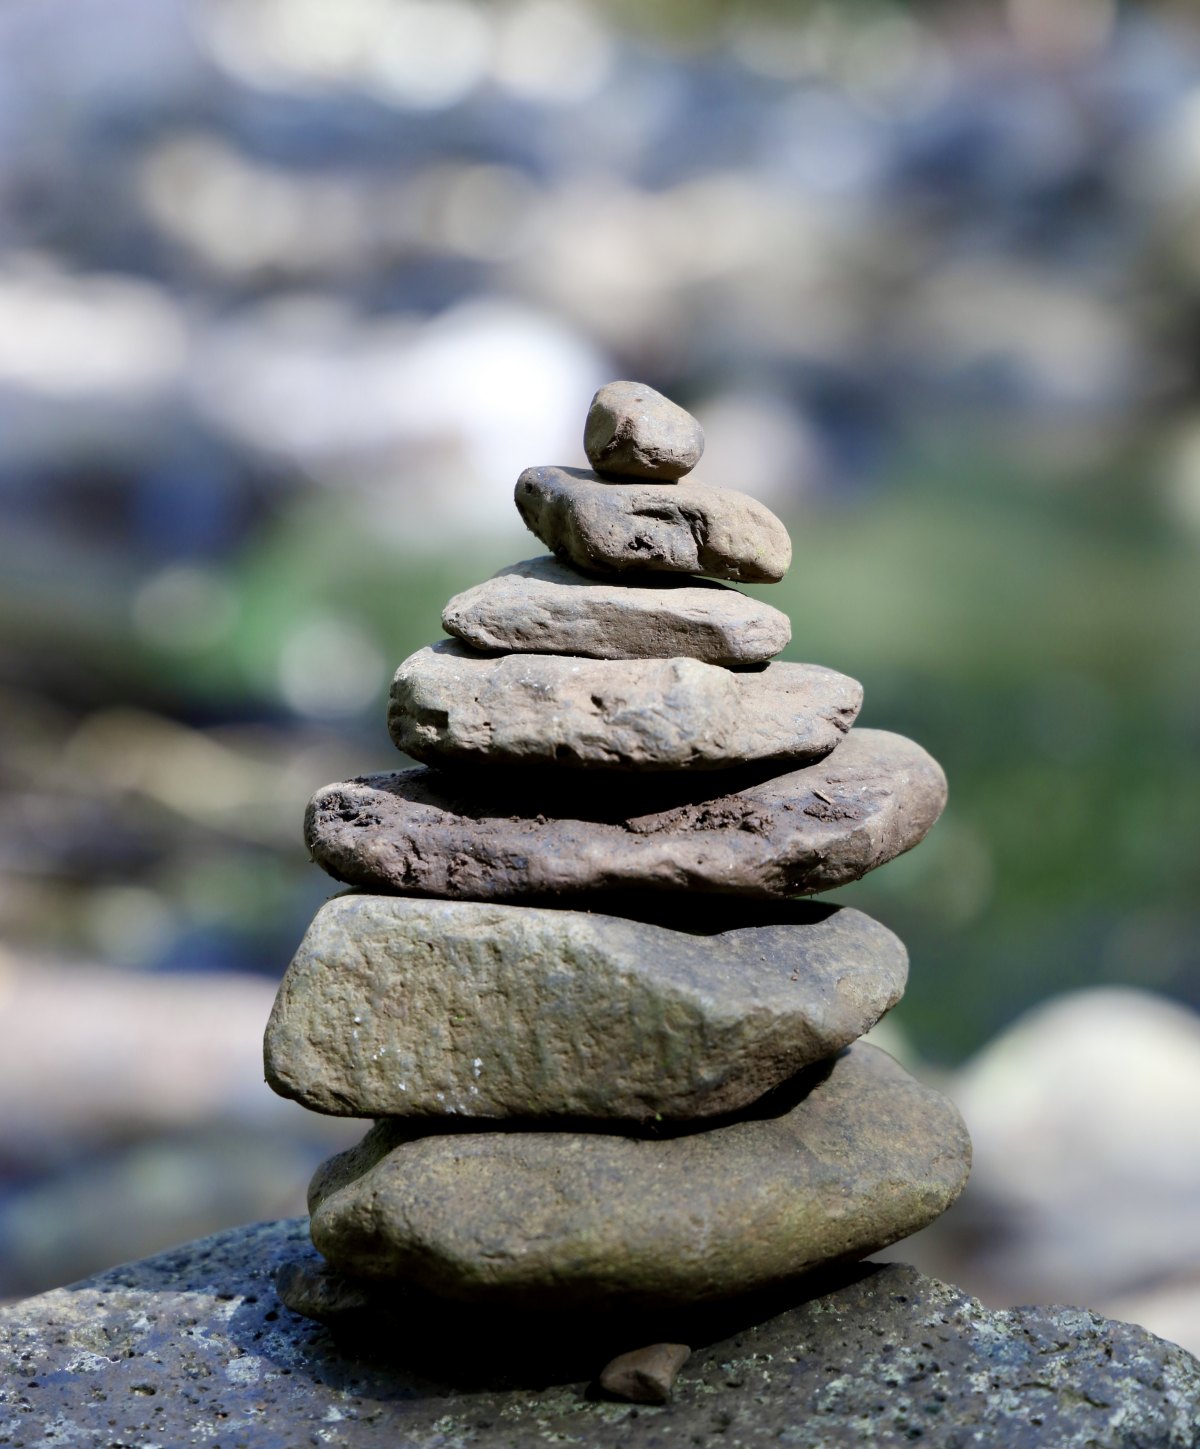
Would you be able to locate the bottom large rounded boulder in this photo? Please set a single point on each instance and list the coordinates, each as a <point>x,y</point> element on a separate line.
<point>842,1160</point>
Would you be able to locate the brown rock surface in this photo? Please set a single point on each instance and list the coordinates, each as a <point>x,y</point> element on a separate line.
<point>631,430</point>
<point>608,528</point>
<point>645,1375</point>
<point>450,704</point>
<point>396,1006</point>
<point>544,606</point>
<point>844,1159</point>
<point>428,832</point>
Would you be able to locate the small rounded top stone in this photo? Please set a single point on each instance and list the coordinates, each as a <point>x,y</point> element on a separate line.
<point>634,432</point>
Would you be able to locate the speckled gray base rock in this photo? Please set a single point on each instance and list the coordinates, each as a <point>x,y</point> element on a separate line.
<point>682,528</point>
<point>543,606</point>
<point>430,832</point>
<point>452,705</point>
<point>631,430</point>
<point>194,1348</point>
<point>844,1159</point>
<point>396,1006</point>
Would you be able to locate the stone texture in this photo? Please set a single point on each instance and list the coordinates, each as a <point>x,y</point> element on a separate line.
<point>194,1348</point>
<point>450,704</point>
<point>543,606</point>
<point>844,1159</point>
<point>645,1375</point>
<point>315,1290</point>
<point>686,528</point>
<point>396,1006</point>
<point>631,430</point>
<point>426,832</point>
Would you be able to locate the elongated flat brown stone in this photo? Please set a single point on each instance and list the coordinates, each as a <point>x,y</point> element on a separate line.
<point>543,606</point>
<point>468,836</point>
<point>848,1160</point>
<point>606,527</point>
<point>450,704</point>
<point>401,1007</point>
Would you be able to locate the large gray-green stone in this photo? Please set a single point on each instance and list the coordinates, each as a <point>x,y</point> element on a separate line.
<point>450,704</point>
<point>606,528</point>
<point>631,430</point>
<point>544,606</point>
<point>193,1347</point>
<point>848,1158</point>
<point>430,832</point>
<point>396,1006</point>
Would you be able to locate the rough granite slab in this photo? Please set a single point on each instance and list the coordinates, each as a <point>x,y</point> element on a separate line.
<point>194,1348</point>
<point>605,527</point>
<point>398,1006</point>
<point>452,705</point>
<point>543,606</point>
<point>631,430</point>
<point>431,832</point>
<point>846,1158</point>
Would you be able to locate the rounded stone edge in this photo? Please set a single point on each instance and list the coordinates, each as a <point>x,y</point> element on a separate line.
<point>614,447</point>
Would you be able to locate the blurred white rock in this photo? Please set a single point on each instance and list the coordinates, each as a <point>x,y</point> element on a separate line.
<point>1085,1117</point>
<point>443,413</point>
<point>95,1056</point>
<point>759,444</point>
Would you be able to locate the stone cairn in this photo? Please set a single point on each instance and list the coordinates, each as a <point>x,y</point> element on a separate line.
<point>609,1054</point>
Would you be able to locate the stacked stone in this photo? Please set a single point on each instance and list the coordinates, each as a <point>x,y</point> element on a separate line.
<point>612,1060</point>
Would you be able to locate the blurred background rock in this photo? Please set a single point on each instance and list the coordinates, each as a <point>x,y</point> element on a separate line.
<point>289,293</point>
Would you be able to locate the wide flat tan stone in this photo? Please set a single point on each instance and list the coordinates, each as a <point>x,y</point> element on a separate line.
<point>450,704</point>
<point>465,835</point>
<point>845,1159</point>
<point>544,606</point>
<point>605,527</point>
<point>398,1006</point>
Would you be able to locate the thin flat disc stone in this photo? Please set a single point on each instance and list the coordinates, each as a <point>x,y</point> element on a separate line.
<point>544,606</point>
<point>451,705</point>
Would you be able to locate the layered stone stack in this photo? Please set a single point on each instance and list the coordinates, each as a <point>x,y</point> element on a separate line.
<point>611,1059</point>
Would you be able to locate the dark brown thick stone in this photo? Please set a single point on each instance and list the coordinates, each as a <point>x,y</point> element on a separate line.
<point>465,835</point>
<point>194,1347</point>
<point>452,705</point>
<point>686,528</point>
<point>402,1007</point>
<point>844,1159</point>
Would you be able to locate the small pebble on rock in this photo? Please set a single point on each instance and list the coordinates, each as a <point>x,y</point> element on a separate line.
<point>645,1375</point>
<point>317,1291</point>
